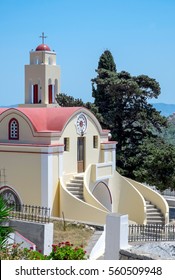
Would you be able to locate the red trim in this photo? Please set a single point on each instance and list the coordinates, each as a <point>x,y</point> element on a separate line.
<point>35,94</point>
<point>26,240</point>
<point>24,152</point>
<point>50,94</point>
<point>10,129</point>
<point>31,145</point>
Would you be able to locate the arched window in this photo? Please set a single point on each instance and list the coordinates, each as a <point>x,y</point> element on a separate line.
<point>13,129</point>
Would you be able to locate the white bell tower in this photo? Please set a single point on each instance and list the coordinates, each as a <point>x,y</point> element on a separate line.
<point>42,78</point>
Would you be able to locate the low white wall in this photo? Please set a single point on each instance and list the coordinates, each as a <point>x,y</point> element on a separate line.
<point>116,235</point>
<point>38,233</point>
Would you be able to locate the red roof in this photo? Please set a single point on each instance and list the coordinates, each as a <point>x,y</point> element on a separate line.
<point>2,110</point>
<point>43,47</point>
<point>47,119</point>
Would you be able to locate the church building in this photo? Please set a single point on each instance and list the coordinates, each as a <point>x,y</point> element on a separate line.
<point>61,158</point>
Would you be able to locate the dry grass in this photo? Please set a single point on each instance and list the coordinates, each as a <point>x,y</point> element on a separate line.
<point>75,233</point>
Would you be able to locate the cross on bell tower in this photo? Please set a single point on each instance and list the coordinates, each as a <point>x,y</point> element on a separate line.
<point>43,37</point>
<point>42,77</point>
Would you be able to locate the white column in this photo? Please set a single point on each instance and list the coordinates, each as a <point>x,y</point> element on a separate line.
<point>116,235</point>
<point>47,177</point>
<point>114,159</point>
<point>60,161</point>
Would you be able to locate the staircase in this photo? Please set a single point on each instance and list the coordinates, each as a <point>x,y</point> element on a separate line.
<point>154,215</point>
<point>75,186</point>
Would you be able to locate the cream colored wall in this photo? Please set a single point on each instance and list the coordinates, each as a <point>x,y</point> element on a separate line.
<point>43,57</point>
<point>26,133</point>
<point>40,74</point>
<point>56,208</point>
<point>153,197</point>
<point>92,155</point>
<point>87,191</point>
<point>23,168</point>
<point>23,172</point>
<point>127,199</point>
<point>76,209</point>
<point>70,157</point>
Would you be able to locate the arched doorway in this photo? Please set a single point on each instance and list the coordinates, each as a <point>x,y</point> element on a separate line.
<point>10,195</point>
<point>102,193</point>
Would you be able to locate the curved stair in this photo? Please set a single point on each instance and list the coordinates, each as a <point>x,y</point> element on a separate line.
<point>154,215</point>
<point>75,186</point>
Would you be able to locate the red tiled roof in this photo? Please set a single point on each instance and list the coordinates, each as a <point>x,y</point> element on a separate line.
<point>47,119</point>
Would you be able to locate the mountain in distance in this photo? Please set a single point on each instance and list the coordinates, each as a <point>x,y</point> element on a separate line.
<point>165,109</point>
<point>10,106</point>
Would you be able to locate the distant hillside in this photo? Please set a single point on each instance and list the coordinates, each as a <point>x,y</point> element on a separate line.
<point>165,109</point>
<point>10,106</point>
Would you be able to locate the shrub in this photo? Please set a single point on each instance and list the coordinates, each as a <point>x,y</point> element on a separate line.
<point>4,218</point>
<point>60,251</point>
<point>66,251</point>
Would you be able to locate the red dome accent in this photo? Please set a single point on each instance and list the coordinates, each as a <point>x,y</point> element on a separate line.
<point>43,47</point>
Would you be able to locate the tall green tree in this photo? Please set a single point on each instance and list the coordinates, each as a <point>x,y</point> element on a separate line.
<point>122,100</point>
<point>155,163</point>
<point>65,100</point>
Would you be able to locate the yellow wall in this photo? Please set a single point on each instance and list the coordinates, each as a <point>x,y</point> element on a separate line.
<point>92,155</point>
<point>27,135</point>
<point>26,162</point>
<point>154,197</point>
<point>23,172</point>
<point>127,199</point>
<point>56,208</point>
<point>76,209</point>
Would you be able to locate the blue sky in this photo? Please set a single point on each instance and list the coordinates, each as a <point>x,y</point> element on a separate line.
<point>139,33</point>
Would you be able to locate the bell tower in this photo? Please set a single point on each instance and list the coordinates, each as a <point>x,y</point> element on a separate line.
<point>42,77</point>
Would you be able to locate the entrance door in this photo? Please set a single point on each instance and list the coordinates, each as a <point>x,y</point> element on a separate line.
<point>80,154</point>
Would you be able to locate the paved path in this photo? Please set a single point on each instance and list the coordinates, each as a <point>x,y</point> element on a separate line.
<point>94,238</point>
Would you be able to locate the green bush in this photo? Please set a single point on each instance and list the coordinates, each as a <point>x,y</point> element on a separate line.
<point>60,251</point>
<point>4,218</point>
<point>66,251</point>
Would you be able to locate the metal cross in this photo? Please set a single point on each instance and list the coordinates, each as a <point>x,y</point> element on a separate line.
<point>43,37</point>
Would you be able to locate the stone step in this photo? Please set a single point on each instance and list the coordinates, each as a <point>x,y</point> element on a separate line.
<point>153,210</point>
<point>75,186</point>
<point>78,177</point>
<point>152,222</point>
<point>76,192</point>
<point>154,215</point>
<point>155,218</point>
<point>76,181</point>
<point>150,206</point>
